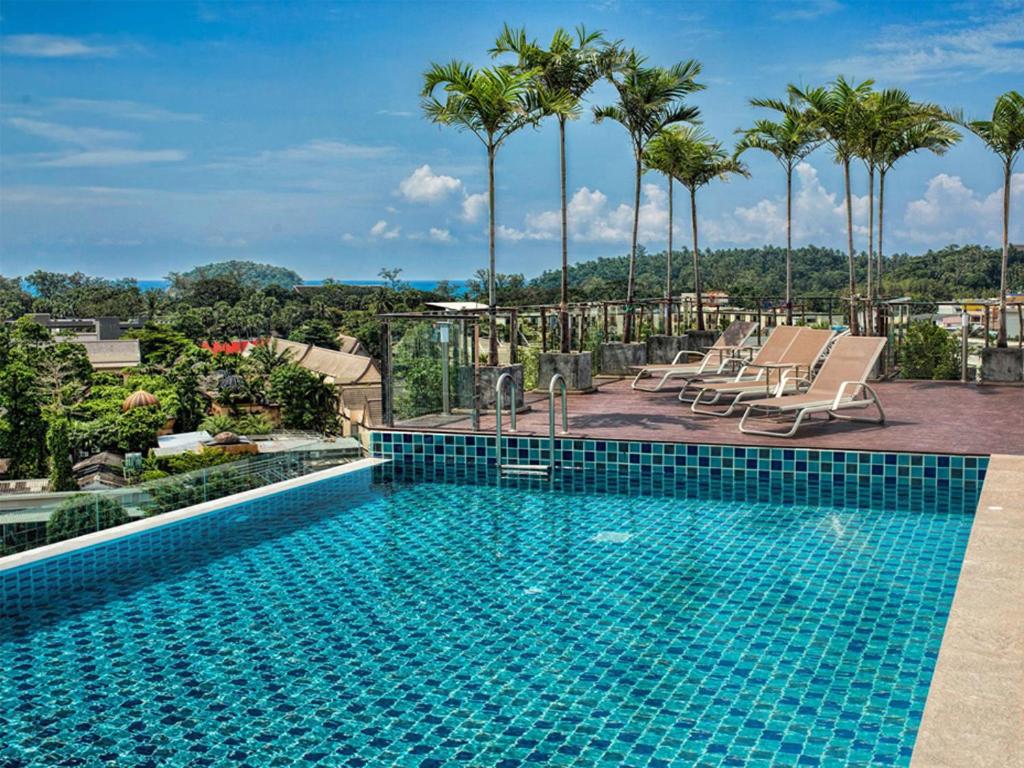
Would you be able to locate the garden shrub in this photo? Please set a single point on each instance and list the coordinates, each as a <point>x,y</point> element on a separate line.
<point>929,352</point>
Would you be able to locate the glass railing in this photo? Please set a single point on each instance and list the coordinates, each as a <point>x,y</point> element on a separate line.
<point>32,520</point>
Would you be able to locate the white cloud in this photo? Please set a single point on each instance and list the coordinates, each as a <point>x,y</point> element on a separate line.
<point>113,157</point>
<point>819,216</point>
<point>54,47</point>
<point>395,112</point>
<point>129,110</point>
<point>971,44</point>
<point>67,134</point>
<point>383,231</point>
<point>592,219</point>
<point>804,10</point>
<point>319,150</point>
<point>440,235</point>
<point>474,206</point>
<point>950,212</point>
<point>425,186</point>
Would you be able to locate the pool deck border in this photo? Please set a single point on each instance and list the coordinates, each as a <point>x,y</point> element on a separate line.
<point>974,714</point>
<point>29,556</point>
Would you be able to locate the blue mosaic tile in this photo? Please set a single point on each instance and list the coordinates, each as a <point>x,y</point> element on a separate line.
<point>426,614</point>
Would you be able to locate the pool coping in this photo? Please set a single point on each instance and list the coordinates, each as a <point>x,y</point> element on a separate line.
<point>29,556</point>
<point>974,714</point>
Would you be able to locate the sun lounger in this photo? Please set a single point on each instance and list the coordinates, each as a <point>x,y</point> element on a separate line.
<point>783,375</point>
<point>719,357</point>
<point>840,385</point>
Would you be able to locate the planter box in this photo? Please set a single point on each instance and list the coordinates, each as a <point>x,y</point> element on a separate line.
<point>489,375</point>
<point>1002,365</point>
<point>617,357</point>
<point>576,368</point>
<point>701,339</point>
<point>663,349</point>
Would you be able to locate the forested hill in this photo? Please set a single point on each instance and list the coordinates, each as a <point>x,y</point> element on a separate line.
<point>247,273</point>
<point>952,272</point>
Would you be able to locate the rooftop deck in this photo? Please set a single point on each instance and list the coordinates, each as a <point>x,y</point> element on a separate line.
<point>921,416</point>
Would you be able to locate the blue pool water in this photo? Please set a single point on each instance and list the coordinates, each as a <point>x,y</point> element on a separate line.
<point>363,622</point>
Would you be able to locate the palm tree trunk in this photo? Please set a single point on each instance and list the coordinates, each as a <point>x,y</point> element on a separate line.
<point>854,327</point>
<point>1001,336</point>
<point>632,254</point>
<point>492,302</point>
<point>789,244</point>
<point>881,229</point>
<point>696,261</point>
<point>563,307</point>
<point>869,318</point>
<point>668,266</point>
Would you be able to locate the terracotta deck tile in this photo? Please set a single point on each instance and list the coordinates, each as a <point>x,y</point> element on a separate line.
<point>922,416</point>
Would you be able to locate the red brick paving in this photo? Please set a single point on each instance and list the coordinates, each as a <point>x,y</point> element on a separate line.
<point>921,416</point>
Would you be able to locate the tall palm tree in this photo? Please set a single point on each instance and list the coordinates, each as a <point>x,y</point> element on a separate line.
<point>838,111</point>
<point>492,104</point>
<point>666,153</point>
<point>916,131</point>
<point>704,161</point>
<point>649,100</point>
<point>1004,135</point>
<point>789,140</point>
<point>566,71</point>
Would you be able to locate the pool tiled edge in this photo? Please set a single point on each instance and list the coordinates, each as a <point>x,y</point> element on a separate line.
<point>812,464</point>
<point>974,714</point>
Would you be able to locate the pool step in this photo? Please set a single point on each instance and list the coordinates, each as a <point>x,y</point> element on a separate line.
<point>526,469</point>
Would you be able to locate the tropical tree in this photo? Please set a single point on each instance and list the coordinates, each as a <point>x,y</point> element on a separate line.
<point>917,132</point>
<point>838,111</point>
<point>565,72</point>
<point>649,100</point>
<point>1004,135</point>
<point>492,104</point>
<point>667,154</point>
<point>704,161</point>
<point>789,140</point>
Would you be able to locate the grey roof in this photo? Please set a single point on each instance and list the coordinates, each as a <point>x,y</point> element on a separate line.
<point>113,355</point>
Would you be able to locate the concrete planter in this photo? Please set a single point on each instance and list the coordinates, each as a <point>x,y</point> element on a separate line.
<point>701,339</point>
<point>617,357</point>
<point>663,349</point>
<point>576,368</point>
<point>999,365</point>
<point>489,375</point>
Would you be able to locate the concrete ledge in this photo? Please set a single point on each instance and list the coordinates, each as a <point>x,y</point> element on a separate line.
<point>129,529</point>
<point>974,715</point>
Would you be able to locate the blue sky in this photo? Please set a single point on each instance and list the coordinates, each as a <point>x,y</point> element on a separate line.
<point>141,138</point>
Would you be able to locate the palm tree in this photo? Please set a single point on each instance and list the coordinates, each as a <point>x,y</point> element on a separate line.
<point>649,100</point>
<point>704,161</point>
<point>838,111</point>
<point>1004,135</point>
<point>566,71</point>
<point>917,131</point>
<point>492,104</point>
<point>666,153</point>
<point>789,140</point>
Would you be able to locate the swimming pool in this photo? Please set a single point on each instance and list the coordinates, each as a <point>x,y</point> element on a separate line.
<point>383,618</point>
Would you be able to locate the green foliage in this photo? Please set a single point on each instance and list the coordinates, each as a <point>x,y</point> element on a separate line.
<point>15,301</point>
<point>22,429</point>
<point>316,332</point>
<point>82,514</point>
<point>307,401</point>
<point>218,422</point>
<point>253,424</point>
<point>248,274</point>
<point>160,344</point>
<point>190,462</point>
<point>79,295</point>
<point>929,352</point>
<point>58,445</point>
<point>418,374</point>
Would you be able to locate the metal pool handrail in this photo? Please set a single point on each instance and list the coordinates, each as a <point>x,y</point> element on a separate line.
<point>551,414</point>
<point>499,391</point>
